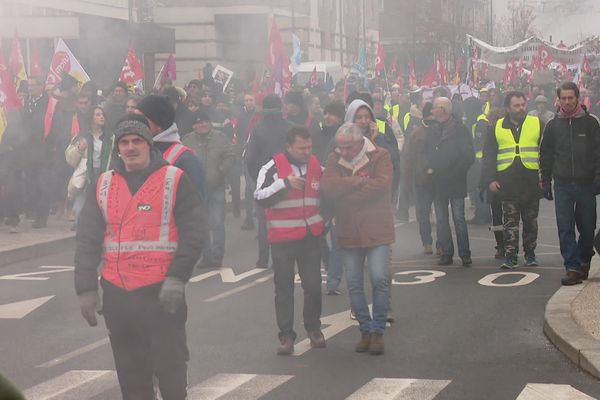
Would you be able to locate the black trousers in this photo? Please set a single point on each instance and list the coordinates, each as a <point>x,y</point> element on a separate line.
<point>305,253</point>
<point>497,220</point>
<point>146,342</point>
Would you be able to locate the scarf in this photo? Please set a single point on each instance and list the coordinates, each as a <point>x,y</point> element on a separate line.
<point>576,113</point>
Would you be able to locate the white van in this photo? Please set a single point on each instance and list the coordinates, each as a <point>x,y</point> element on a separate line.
<point>325,69</point>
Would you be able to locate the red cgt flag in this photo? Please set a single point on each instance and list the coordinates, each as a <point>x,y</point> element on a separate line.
<point>313,80</point>
<point>413,75</point>
<point>132,70</point>
<point>8,92</point>
<point>380,62</point>
<point>278,64</point>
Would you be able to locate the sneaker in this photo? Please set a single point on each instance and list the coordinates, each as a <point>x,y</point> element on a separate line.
<point>390,317</point>
<point>499,253</point>
<point>352,315</point>
<point>248,225</point>
<point>14,229</point>
<point>334,292</point>
<point>445,260</point>
<point>317,340</point>
<point>466,261</point>
<point>571,278</point>
<point>585,270</point>
<point>530,260</point>
<point>427,249</point>
<point>509,263</point>
<point>376,344</point>
<point>363,344</point>
<point>287,346</point>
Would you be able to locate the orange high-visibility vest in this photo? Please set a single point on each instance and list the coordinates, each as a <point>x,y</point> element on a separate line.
<point>288,219</point>
<point>141,236</point>
<point>172,154</point>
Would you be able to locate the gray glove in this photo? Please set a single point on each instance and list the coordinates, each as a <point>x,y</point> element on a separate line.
<point>172,294</point>
<point>89,302</point>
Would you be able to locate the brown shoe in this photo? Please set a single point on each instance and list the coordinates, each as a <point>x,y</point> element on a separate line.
<point>427,249</point>
<point>317,339</point>
<point>287,346</point>
<point>376,345</point>
<point>363,345</point>
<point>585,270</point>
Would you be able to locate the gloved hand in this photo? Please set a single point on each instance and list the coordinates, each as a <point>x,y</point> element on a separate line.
<point>90,304</point>
<point>172,294</point>
<point>547,190</point>
<point>596,186</point>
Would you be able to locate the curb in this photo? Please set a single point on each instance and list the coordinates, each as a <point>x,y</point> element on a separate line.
<point>568,337</point>
<point>36,250</point>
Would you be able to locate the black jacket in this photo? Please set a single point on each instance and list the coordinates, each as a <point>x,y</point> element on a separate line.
<point>516,182</point>
<point>191,165</point>
<point>267,138</point>
<point>570,149</point>
<point>91,227</point>
<point>449,152</point>
<point>323,142</point>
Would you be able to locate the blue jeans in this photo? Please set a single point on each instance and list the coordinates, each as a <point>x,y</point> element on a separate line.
<point>575,206</point>
<point>335,268</point>
<point>378,264</point>
<point>460,226</point>
<point>214,250</point>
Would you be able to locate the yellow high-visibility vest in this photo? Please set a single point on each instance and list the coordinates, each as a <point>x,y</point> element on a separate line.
<point>381,126</point>
<point>406,121</point>
<point>478,154</point>
<point>395,110</point>
<point>528,148</point>
<point>486,108</point>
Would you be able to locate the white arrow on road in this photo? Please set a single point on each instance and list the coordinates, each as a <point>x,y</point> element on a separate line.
<point>337,323</point>
<point>31,276</point>
<point>541,391</point>
<point>20,309</point>
<point>227,275</point>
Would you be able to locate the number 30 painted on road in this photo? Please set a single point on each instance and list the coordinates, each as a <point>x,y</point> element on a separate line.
<point>422,276</point>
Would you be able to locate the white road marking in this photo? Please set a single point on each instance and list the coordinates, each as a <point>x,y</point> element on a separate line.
<point>236,386</point>
<point>238,289</point>
<point>541,391</point>
<point>426,276</point>
<point>433,258</point>
<point>337,323</point>
<point>20,309</point>
<point>73,385</point>
<point>74,353</point>
<point>526,279</point>
<point>31,276</point>
<point>395,389</point>
<point>227,275</point>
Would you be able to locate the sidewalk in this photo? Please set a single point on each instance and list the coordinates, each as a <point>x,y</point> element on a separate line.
<point>32,243</point>
<point>572,321</point>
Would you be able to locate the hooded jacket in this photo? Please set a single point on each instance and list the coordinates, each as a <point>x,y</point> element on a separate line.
<point>188,162</point>
<point>570,148</point>
<point>91,226</point>
<point>386,141</point>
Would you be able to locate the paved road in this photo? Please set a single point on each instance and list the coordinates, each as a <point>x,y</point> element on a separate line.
<point>456,337</point>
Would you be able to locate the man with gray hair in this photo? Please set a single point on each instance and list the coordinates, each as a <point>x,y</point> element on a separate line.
<point>449,153</point>
<point>358,178</point>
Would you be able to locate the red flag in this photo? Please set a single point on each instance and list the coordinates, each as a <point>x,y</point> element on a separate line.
<point>393,71</point>
<point>545,57</point>
<point>17,65</point>
<point>520,70</point>
<point>457,73</point>
<point>441,70</point>
<point>256,83</point>
<point>429,77</point>
<point>35,67</point>
<point>507,74</point>
<point>8,92</point>
<point>399,79</point>
<point>380,62</point>
<point>484,70</point>
<point>413,75</point>
<point>513,72</point>
<point>585,65</point>
<point>169,72</point>
<point>313,80</point>
<point>132,70</point>
<point>278,64</point>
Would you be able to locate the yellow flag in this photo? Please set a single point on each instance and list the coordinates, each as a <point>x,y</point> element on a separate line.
<point>17,66</point>
<point>3,122</point>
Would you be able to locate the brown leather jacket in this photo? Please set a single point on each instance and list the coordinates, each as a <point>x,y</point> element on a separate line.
<point>362,198</point>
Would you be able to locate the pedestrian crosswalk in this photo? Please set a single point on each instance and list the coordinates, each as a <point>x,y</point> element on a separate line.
<point>86,384</point>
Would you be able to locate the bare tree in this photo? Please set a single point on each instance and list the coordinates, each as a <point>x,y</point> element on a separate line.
<point>518,25</point>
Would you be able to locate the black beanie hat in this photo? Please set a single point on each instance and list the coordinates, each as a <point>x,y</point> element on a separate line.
<point>335,108</point>
<point>272,102</point>
<point>158,109</point>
